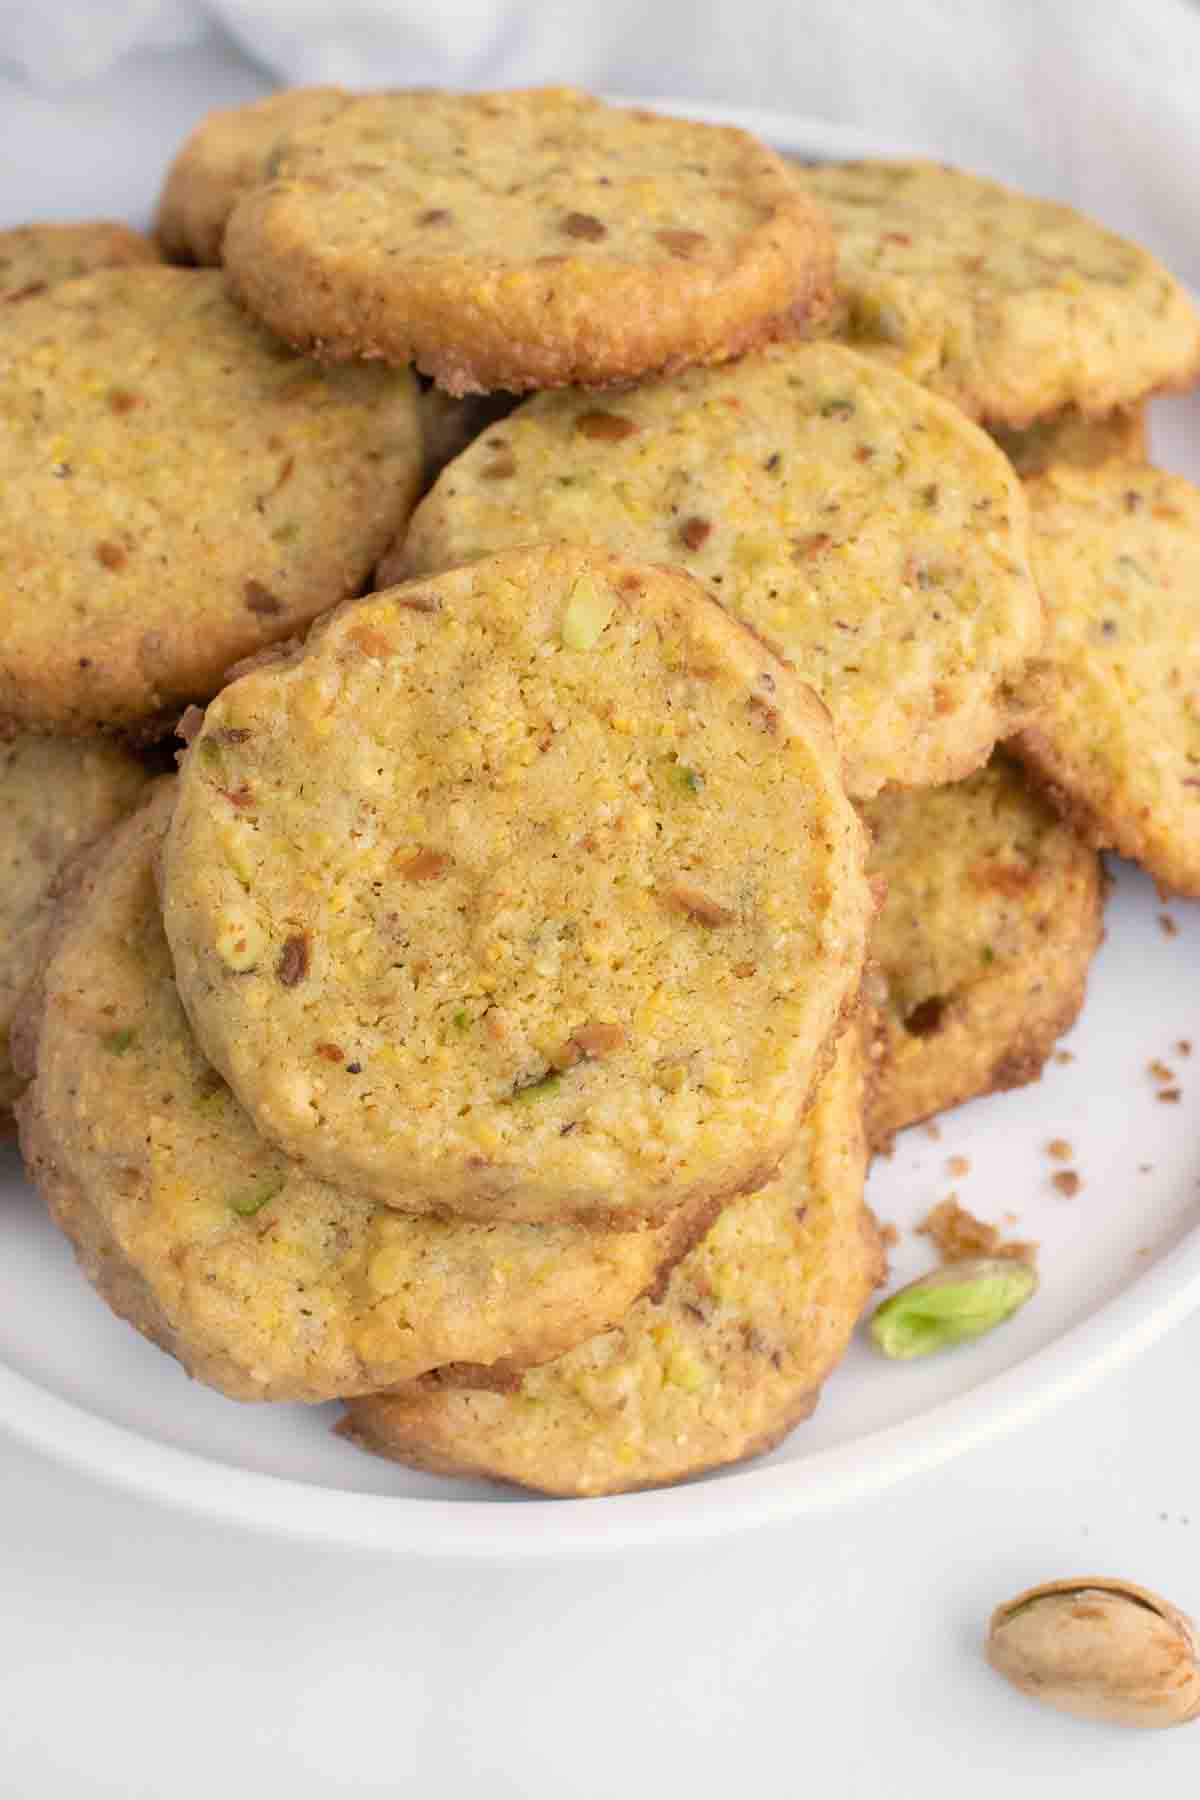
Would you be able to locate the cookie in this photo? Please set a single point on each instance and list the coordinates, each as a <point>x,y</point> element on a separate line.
<point>1012,307</point>
<point>1116,692</point>
<point>992,915</point>
<point>176,490</point>
<point>36,257</point>
<point>262,1281</point>
<point>227,154</point>
<point>528,239</point>
<point>718,1367</point>
<point>1073,437</point>
<point>55,798</point>
<point>525,892</point>
<point>857,522</point>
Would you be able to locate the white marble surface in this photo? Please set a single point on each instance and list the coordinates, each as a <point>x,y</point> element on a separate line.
<point>145,1654</point>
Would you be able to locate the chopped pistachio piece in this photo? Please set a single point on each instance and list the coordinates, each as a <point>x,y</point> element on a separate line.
<point>537,1090</point>
<point>253,1198</point>
<point>953,1305</point>
<point>118,1042</point>
<point>588,611</point>
<point>690,779</point>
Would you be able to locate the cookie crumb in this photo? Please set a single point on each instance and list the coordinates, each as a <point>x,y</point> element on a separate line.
<point>1169,927</point>
<point>1060,1149</point>
<point>1064,1057</point>
<point>1183,1047</point>
<point>932,1130</point>
<point>1170,1096</point>
<point>889,1237</point>
<point>956,1233</point>
<point>1068,1182</point>
<point>958,1165</point>
<point>1160,1071</point>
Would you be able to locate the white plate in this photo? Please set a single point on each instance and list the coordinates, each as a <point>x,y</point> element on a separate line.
<point>1120,1264</point>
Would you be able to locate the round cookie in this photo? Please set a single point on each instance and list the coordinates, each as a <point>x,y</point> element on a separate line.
<point>36,257</point>
<point>1116,693</point>
<point>55,798</point>
<point>527,239</point>
<point>854,520</point>
<point>718,1367</point>
<point>262,1281</point>
<point>529,891</point>
<point>1010,306</point>
<point>1073,437</point>
<point>993,912</point>
<point>176,490</point>
<point>227,154</point>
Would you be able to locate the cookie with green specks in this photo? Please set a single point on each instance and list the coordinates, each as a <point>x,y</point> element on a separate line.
<point>526,891</point>
<point>56,797</point>
<point>1073,437</point>
<point>993,911</point>
<point>527,239</point>
<point>1116,692</point>
<point>177,489</point>
<point>263,1281</point>
<point>36,257</point>
<point>716,1368</point>
<point>227,154</point>
<point>1012,307</point>
<point>859,523</point>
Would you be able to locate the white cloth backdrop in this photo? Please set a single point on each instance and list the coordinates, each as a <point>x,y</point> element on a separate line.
<point>1096,101</point>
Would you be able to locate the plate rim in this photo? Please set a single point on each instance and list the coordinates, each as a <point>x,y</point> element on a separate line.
<point>693,1513</point>
<point>680,1517</point>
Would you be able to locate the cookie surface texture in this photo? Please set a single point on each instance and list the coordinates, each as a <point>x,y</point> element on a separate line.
<point>717,1368</point>
<point>1011,306</point>
<point>177,491</point>
<point>528,891</point>
<point>528,239</point>
<point>263,1281</point>
<point>226,155</point>
<point>982,946</point>
<point>1072,437</point>
<point>36,257</point>
<point>856,521</point>
<point>1116,552</point>
<point>56,797</point>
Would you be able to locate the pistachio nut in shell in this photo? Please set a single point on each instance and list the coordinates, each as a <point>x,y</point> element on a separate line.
<point>952,1305</point>
<point>1101,1649</point>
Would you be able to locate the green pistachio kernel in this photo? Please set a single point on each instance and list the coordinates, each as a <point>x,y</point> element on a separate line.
<point>689,779</point>
<point>588,611</point>
<point>954,1304</point>
<point>253,1198</point>
<point>548,1084</point>
<point>118,1042</point>
<point>461,1019</point>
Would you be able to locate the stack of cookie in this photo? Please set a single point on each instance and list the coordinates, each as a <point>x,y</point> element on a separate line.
<point>470,1031</point>
<point>180,490</point>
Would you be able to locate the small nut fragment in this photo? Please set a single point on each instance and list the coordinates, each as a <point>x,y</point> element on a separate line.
<point>958,1302</point>
<point>1100,1649</point>
<point>588,611</point>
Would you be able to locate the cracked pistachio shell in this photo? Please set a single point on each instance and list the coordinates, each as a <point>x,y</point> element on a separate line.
<point>1100,1649</point>
<point>961,1301</point>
